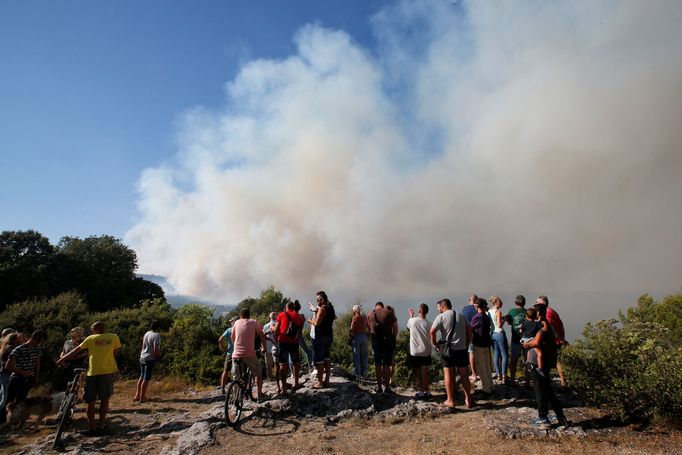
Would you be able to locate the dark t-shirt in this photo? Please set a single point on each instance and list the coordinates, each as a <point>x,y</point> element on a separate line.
<point>469,311</point>
<point>481,325</point>
<point>530,328</point>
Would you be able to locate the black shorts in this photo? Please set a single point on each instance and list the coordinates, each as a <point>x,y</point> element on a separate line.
<point>420,361</point>
<point>100,386</point>
<point>458,359</point>
<point>383,352</point>
<point>289,351</point>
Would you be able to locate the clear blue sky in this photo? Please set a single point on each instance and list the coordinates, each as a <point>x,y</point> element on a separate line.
<point>89,93</point>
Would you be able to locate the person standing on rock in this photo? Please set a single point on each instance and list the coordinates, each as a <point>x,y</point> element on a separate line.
<point>557,324</point>
<point>288,327</point>
<point>99,380</point>
<point>382,322</point>
<point>358,334</point>
<point>481,341</point>
<point>24,365</point>
<point>516,317</point>
<point>244,333</point>
<point>420,348</point>
<point>469,311</point>
<point>322,344</point>
<point>151,351</point>
<point>455,336</point>
<point>270,338</point>
<point>545,341</point>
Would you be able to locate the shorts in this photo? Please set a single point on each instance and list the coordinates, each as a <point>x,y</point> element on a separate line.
<point>100,386</point>
<point>420,361</point>
<point>228,363</point>
<point>515,350</point>
<point>252,363</point>
<point>146,369</point>
<point>458,359</point>
<point>322,349</point>
<point>383,352</point>
<point>289,350</point>
<point>471,347</point>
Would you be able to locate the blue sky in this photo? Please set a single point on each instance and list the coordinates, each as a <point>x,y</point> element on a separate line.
<point>389,150</point>
<point>90,93</point>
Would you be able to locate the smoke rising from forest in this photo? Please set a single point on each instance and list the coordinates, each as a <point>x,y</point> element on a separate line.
<point>481,145</point>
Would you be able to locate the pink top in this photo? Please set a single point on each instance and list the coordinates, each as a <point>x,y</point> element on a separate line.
<point>244,333</point>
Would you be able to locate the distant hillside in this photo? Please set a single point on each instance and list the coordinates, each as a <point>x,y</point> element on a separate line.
<point>177,300</point>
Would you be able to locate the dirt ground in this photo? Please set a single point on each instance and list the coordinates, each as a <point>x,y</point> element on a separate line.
<point>461,432</point>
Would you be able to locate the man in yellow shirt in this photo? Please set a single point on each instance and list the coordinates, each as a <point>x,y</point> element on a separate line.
<point>99,382</point>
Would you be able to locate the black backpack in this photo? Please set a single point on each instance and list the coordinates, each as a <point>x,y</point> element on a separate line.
<point>293,330</point>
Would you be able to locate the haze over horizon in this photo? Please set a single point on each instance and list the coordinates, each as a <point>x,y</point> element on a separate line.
<point>476,146</point>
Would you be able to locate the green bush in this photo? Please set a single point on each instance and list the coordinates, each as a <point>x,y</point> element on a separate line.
<point>629,368</point>
<point>130,324</point>
<point>192,345</point>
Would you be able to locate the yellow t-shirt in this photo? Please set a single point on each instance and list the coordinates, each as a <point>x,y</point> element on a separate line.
<point>101,353</point>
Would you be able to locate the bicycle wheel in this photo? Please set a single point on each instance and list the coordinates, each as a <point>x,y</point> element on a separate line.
<point>234,401</point>
<point>63,417</point>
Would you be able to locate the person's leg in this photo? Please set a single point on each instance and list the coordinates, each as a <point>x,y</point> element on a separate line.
<point>482,358</point>
<point>449,386</point>
<point>472,361</point>
<point>515,353</point>
<point>90,412</point>
<point>308,353</point>
<point>363,356</point>
<point>379,370</point>
<point>356,355</point>
<point>103,409</point>
<point>540,388</point>
<point>327,360</point>
<point>268,365</point>
<point>503,353</point>
<point>424,373</point>
<point>466,385</point>
<point>226,372</point>
<point>496,355</point>
<point>562,378</point>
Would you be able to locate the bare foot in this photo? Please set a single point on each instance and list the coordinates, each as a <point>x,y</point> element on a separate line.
<point>449,404</point>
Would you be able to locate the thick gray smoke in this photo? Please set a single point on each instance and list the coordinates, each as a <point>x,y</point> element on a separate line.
<point>481,145</point>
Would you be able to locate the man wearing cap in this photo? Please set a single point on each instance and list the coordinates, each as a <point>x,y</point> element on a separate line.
<point>225,343</point>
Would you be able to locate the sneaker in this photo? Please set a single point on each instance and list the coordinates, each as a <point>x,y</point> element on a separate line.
<point>378,390</point>
<point>388,389</point>
<point>420,395</point>
<point>564,422</point>
<point>542,422</point>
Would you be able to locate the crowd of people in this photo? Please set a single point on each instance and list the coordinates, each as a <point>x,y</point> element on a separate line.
<point>462,341</point>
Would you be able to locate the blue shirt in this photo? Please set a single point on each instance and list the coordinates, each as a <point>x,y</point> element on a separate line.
<point>469,311</point>
<point>228,337</point>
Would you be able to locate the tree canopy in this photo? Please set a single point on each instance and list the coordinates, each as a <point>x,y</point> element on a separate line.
<point>100,268</point>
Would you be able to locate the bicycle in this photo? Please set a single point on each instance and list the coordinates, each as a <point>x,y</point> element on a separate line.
<point>234,396</point>
<point>65,413</point>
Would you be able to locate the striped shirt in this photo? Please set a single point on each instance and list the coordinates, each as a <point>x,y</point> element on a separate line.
<point>25,358</point>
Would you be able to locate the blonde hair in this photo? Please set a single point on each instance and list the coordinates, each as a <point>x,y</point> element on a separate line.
<point>495,300</point>
<point>357,309</point>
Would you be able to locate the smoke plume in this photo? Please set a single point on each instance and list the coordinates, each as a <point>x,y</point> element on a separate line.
<point>479,145</point>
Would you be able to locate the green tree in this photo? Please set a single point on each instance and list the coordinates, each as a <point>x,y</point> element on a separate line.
<point>268,301</point>
<point>102,269</point>
<point>193,344</point>
<point>27,266</point>
<point>667,312</point>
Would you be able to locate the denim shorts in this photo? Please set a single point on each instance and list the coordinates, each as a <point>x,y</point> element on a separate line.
<point>322,349</point>
<point>146,369</point>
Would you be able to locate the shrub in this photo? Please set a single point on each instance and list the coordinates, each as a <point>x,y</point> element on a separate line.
<point>192,343</point>
<point>631,369</point>
<point>130,324</point>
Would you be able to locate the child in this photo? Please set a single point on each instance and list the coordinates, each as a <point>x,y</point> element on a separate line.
<point>530,328</point>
